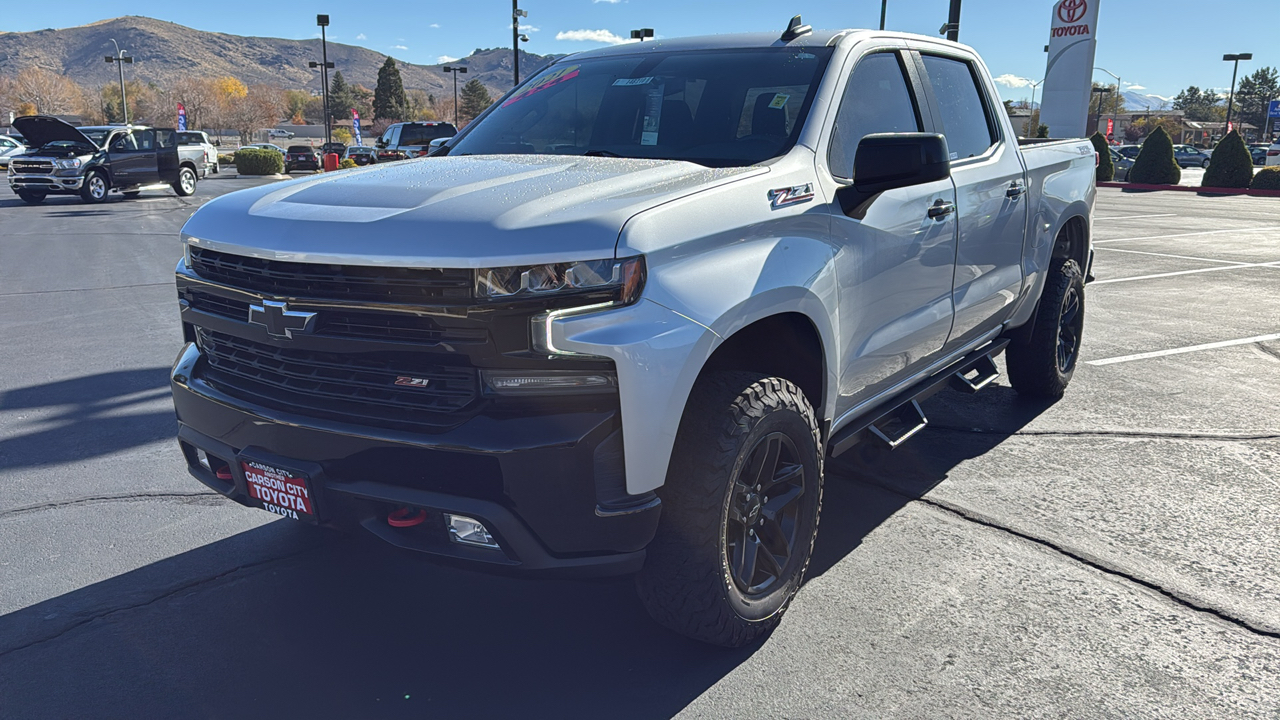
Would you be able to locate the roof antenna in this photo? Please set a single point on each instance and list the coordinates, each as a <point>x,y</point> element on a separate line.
<point>795,29</point>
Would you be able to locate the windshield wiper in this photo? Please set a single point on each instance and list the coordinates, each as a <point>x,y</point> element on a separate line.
<point>601,153</point>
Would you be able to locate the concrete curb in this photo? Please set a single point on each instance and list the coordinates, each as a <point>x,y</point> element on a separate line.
<point>1136,187</point>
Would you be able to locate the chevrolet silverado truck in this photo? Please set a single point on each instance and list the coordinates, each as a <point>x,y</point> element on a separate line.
<point>621,322</point>
<point>94,161</point>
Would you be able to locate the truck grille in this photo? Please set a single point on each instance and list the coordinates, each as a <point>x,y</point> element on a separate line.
<point>345,323</point>
<point>348,386</point>
<point>334,282</point>
<point>31,167</point>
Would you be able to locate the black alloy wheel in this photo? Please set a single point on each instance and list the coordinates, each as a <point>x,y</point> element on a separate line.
<point>1070,327</point>
<point>765,515</point>
<point>1042,357</point>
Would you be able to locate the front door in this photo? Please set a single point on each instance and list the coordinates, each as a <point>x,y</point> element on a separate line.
<point>133,158</point>
<point>895,262</point>
<point>990,197</point>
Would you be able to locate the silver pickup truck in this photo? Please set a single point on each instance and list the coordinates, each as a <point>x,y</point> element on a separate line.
<point>620,322</point>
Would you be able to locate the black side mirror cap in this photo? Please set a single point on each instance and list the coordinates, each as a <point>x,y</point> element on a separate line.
<point>889,161</point>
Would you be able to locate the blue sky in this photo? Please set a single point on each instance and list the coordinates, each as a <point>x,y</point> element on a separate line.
<point>1157,46</point>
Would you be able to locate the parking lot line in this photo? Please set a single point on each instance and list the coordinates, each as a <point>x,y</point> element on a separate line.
<point>1175,257</point>
<point>1137,217</point>
<point>1183,350</point>
<point>1186,272</point>
<point>1271,228</point>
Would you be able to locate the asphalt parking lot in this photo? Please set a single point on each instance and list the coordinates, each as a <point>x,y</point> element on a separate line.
<point>1116,554</point>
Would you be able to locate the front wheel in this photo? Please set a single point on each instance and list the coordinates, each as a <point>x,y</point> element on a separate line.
<point>740,515</point>
<point>1205,164</point>
<point>31,198</point>
<point>186,184</point>
<point>94,189</point>
<point>1041,365</point>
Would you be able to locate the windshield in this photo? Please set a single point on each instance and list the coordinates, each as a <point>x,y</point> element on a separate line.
<point>99,137</point>
<point>423,134</point>
<point>719,108</point>
<point>72,145</point>
<point>190,138</point>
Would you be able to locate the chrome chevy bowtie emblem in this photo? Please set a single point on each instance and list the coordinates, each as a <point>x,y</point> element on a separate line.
<point>790,196</point>
<point>279,320</point>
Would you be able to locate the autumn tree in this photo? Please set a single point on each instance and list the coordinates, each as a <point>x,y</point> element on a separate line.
<point>48,92</point>
<point>474,100</point>
<point>389,100</point>
<point>198,97</point>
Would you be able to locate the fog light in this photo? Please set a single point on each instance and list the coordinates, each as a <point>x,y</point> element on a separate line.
<point>469,531</point>
<point>533,382</point>
<point>204,459</point>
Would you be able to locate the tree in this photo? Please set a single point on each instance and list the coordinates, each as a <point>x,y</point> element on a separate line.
<point>198,97</point>
<point>1255,95</point>
<point>1200,105</point>
<point>1108,103</point>
<point>262,106</point>
<point>1106,167</point>
<point>473,100</point>
<point>342,135</point>
<point>341,97</point>
<point>389,100</point>
<point>1155,164</point>
<point>1232,165</point>
<point>49,93</point>
<point>296,105</point>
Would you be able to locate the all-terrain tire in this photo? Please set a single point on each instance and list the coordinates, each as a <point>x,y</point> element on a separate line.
<point>31,198</point>
<point>95,187</point>
<point>1041,364</point>
<point>732,423</point>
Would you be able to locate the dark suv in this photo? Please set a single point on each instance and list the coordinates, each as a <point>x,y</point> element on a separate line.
<point>301,157</point>
<point>411,139</point>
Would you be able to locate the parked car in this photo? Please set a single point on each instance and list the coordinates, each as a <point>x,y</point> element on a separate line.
<point>411,139</point>
<point>360,155</point>
<point>301,157</point>
<point>1259,153</point>
<point>1130,151</point>
<point>265,146</point>
<point>335,148</point>
<point>187,138</point>
<point>1122,165</point>
<point>94,161</point>
<point>9,146</point>
<point>1273,154</point>
<point>276,133</point>
<point>1188,156</point>
<point>604,334</point>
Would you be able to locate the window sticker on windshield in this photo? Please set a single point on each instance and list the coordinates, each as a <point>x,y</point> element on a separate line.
<point>546,81</point>
<point>779,101</point>
<point>627,82</point>
<point>652,115</point>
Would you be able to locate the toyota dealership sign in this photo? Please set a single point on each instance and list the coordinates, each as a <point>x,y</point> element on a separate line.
<point>1068,79</point>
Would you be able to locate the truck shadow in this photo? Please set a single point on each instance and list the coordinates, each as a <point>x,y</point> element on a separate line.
<point>291,621</point>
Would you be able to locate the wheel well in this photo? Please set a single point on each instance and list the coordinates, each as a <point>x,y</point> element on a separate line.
<point>786,346</point>
<point>1071,242</point>
<point>188,165</point>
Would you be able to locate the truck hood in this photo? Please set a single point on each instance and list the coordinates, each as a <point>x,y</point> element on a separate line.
<point>470,211</point>
<point>40,130</point>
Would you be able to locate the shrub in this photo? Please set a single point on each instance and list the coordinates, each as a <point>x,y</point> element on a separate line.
<point>1042,131</point>
<point>1266,179</point>
<point>1232,165</point>
<point>1106,168</point>
<point>347,164</point>
<point>258,161</point>
<point>1155,164</point>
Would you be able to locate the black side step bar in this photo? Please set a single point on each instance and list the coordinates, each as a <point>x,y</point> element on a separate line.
<point>904,418</point>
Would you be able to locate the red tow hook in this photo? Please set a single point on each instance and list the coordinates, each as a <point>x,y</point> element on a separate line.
<point>223,473</point>
<point>407,517</point>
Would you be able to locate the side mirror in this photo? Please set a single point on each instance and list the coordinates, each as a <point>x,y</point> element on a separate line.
<point>896,160</point>
<point>217,143</point>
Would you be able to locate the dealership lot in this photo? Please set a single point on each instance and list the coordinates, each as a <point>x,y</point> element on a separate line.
<point>1114,554</point>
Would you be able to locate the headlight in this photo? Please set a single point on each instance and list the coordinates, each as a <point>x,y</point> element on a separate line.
<point>67,163</point>
<point>624,277</point>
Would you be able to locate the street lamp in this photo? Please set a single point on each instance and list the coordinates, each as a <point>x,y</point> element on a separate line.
<point>120,59</point>
<point>323,22</point>
<point>456,72</point>
<point>1232,97</point>
<point>1102,92</point>
<point>884,10</point>
<point>1114,108</point>
<point>1027,129</point>
<point>516,14</point>
<point>641,34</point>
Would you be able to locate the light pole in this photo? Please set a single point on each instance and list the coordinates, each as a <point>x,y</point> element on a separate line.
<point>120,59</point>
<point>323,22</point>
<point>456,72</point>
<point>1102,93</point>
<point>641,34</point>
<point>952,28</point>
<point>1034,112</point>
<point>1231,99</point>
<point>516,14</point>
<point>1114,108</point>
<point>884,10</point>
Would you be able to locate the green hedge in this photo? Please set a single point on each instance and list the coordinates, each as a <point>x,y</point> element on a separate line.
<point>258,161</point>
<point>1106,168</point>
<point>1266,179</point>
<point>1232,165</point>
<point>1155,164</point>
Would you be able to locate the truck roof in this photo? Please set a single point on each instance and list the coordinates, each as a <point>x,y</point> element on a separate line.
<point>816,38</point>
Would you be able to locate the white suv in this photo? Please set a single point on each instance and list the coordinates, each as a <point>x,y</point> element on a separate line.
<point>1273,155</point>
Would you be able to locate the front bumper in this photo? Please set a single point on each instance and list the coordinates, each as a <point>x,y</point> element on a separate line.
<point>537,483</point>
<point>51,184</point>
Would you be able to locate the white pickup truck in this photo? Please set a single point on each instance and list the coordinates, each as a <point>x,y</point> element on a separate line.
<point>619,323</point>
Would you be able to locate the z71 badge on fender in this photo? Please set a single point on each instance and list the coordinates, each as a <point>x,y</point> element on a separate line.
<point>791,196</point>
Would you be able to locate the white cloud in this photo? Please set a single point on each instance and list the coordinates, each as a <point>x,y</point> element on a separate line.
<point>611,2</point>
<point>434,25</point>
<point>399,47</point>
<point>1135,86</point>
<point>361,36</point>
<point>597,36</point>
<point>528,28</point>
<point>1014,81</point>
<point>446,59</point>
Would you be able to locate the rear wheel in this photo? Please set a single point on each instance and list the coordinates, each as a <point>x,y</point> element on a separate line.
<point>1205,164</point>
<point>186,184</point>
<point>740,514</point>
<point>94,189</point>
<point>1042,364</point>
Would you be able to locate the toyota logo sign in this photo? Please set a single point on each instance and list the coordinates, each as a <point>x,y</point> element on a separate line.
<point>1070,11</point>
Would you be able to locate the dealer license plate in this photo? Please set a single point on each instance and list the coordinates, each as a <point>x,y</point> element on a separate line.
<point>283,492</point>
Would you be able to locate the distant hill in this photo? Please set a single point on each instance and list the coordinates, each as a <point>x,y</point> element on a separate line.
<point>1136,101</point>
<point>165,52</point>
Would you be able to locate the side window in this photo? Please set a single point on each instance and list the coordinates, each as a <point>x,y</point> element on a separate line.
<point>965,120</point>
<point>124,143</point>
<point>146,139</point>
<point>395,135</point>
<point>876,100</point>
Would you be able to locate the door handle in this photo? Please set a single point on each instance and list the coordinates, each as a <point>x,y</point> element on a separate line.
<point>1016,190</point>
<point>941,210</point>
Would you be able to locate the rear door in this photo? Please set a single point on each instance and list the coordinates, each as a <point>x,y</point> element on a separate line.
<point>990,194</point>
<point>895,262</point>
<point>167,155</point>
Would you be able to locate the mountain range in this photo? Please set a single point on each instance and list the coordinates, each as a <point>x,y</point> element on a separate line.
<point>164,52</point>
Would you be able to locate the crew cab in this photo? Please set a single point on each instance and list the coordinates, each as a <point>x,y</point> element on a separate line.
<point>411,139</point>
<point>623,321</point>
<point>94,161</point>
